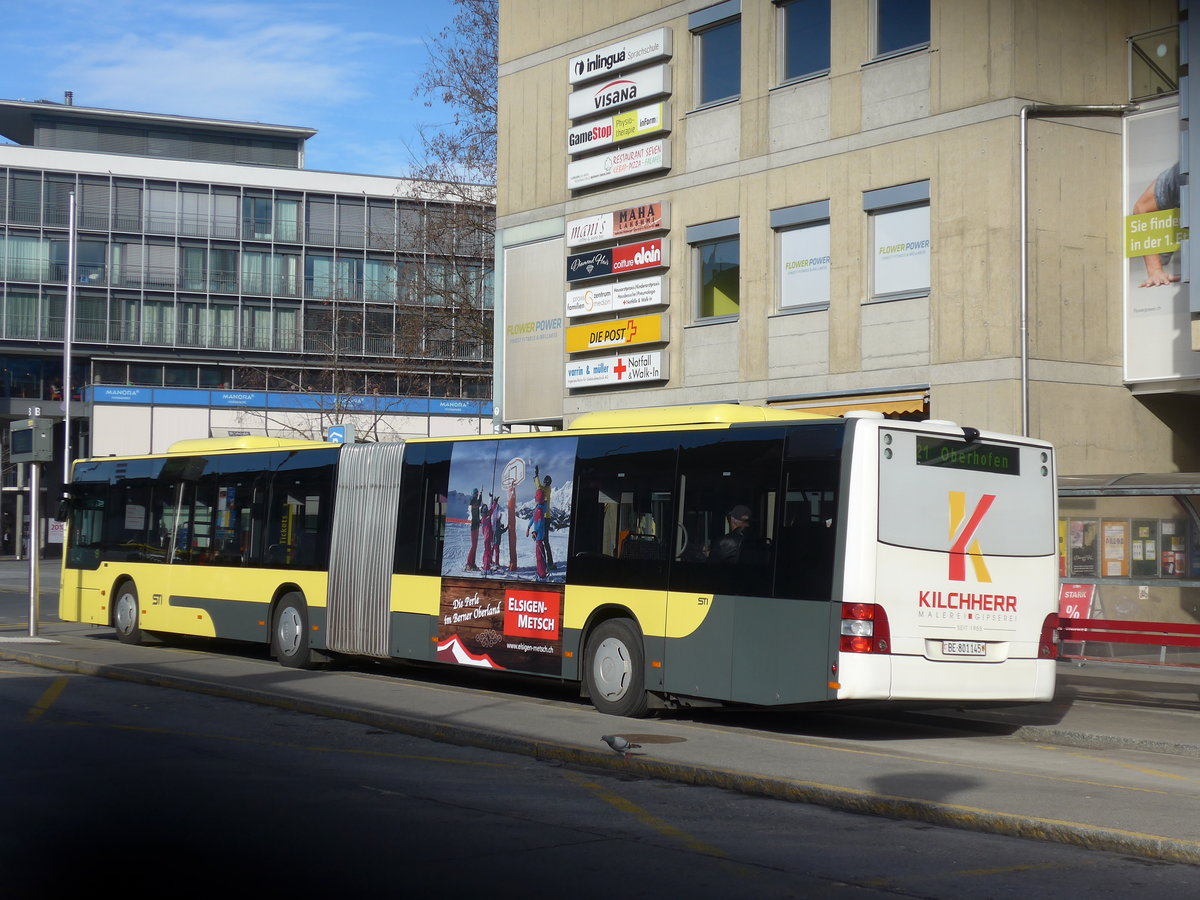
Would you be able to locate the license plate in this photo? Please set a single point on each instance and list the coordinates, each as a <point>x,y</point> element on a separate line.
<point>964,648</point>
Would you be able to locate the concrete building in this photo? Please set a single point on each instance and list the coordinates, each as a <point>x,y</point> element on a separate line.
<point>926,207</point>
<point>220,288</point>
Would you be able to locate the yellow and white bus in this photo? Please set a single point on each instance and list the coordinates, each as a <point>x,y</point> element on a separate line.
<point>676,557</point>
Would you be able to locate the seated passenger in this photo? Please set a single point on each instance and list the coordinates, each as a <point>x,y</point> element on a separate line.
<point>727,548</point>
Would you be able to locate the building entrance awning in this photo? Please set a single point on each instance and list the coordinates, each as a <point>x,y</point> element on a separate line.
<point>895,403</point>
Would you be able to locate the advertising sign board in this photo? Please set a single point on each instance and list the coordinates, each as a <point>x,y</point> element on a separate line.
<point>617,333</point>
<point>640,122</point>
<point>614,93</point>
<point>634,51</point>
<point>625,222</point>
<point>628,162</point>
<point>629,368</point>
<point>603,298</point>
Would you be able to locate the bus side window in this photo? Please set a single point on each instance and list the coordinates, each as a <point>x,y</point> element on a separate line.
<point>623,510</point>
<point>297,529</point>
<point>238,502</point>
<point>127,521</point>
<point>812,473</point>
<point>808,535</point>
<point>421,527</point>
<point>729,490</point>
<point>299,511</point>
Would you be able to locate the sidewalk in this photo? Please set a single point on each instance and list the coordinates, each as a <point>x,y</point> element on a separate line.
<point>1012,770</point>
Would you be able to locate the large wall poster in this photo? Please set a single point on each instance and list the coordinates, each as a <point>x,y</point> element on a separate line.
<point>1158,337</point>
<point>504,560</point>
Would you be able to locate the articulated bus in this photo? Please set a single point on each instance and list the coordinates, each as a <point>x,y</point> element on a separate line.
<point>684,556</point>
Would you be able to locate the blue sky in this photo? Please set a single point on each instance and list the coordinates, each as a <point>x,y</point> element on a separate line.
<point>347,69</point>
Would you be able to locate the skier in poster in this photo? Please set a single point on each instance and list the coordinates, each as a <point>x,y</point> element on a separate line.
<point>543,485</point>
<point>537,524</point>
<point>497,532</point>
<point>514,474</point>
<point>475,499</point>
<point>485,528</point>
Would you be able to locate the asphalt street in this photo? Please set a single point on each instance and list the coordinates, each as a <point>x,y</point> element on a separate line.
<point>1113,763</point>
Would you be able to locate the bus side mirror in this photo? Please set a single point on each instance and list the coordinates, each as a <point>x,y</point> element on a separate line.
<point>64,510</point>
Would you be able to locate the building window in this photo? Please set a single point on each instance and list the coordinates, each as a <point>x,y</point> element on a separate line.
<point>804,32</point>
<point>319,221</point>
<point>900,240</point>
<point>901,26</point>
<point>193,324</point>
<point>256,327</point>
<point>1154,63</point>
<point>160,209</point>
<point>803,243</point>
<point>223,270</point>
<point>718,50</point>
<point>318,276</point>
<point>21,315</point>
<point>379,280</point>
<point>716,250</point>
<point>256,218</point>
<point>194,207</point>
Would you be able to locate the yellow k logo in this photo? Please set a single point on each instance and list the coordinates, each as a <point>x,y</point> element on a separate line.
<point>962,536</point>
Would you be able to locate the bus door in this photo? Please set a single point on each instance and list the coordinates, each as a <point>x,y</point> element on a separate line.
<point>79,597</point>
<point>743,622</point>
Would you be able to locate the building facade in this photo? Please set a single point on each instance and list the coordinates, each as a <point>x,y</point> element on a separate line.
<point>924,207</point>
<point>221,288</point>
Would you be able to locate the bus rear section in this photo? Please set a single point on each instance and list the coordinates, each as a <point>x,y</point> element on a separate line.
<point>951,592</point>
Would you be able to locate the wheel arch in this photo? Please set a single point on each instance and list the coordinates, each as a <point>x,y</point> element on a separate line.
<point>599,615</point>
<point>117,581</point>
<point>287,587</point>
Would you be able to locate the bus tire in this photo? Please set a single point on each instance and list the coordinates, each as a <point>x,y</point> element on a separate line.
<point>614,669</point>
<point>126,613</point>
<point>289,632</point>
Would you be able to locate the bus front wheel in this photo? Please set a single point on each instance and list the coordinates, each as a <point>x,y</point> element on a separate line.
<point>289,632</point>
<point>614,669</point>
<point>126,614</point>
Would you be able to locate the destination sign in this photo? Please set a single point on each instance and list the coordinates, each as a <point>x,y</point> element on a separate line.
<point>973,457</point>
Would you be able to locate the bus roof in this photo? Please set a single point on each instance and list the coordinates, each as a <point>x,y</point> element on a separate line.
<point>246,442</point>
<point>698,414</point>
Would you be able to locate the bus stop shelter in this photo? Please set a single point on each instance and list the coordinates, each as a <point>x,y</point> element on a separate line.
<point>1129,564</point>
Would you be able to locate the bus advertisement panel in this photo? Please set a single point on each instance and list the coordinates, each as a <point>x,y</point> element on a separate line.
<point>508,525</point>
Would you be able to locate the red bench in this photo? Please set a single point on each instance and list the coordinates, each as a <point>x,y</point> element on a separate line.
<point>1121,631</point>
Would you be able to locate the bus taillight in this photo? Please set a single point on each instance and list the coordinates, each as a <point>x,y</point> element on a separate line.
<point>865,629</point>
<point>1048,642</point>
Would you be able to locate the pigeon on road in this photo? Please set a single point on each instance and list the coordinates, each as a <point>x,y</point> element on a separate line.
<point>620,745</point>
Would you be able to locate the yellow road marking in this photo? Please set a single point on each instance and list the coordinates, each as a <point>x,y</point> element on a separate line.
<point>1154,773</point>
<point>965,873</point>
<point>46,700</point>
<point>650,821</point>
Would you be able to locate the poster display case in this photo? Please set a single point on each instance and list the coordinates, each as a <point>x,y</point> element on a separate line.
<point>1129,549</point>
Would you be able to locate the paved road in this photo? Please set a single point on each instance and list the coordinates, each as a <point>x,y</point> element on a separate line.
<point>1113,763</point>
<point>141,785</point>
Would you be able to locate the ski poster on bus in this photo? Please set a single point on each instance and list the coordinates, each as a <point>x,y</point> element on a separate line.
<point>504,559</point>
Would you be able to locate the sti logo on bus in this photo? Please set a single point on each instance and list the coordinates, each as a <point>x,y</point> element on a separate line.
<point>962,536</point>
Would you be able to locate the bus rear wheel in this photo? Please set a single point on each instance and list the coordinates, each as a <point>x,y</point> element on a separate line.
<point>126,614</point>
<point>289,632</point>
<point>614,669</point>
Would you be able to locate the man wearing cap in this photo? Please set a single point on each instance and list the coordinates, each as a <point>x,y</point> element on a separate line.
<point>729,545</point>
